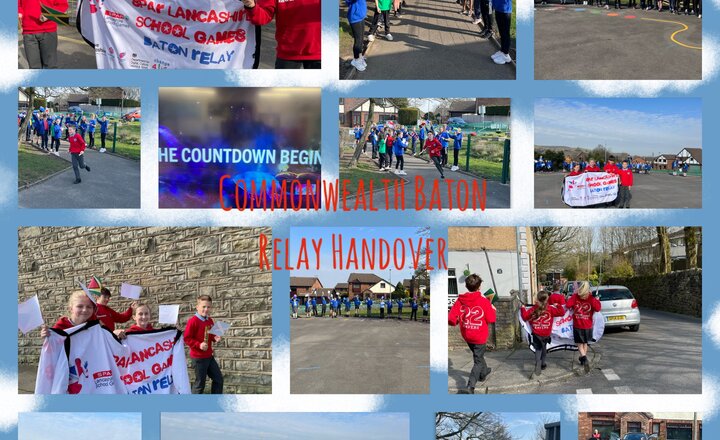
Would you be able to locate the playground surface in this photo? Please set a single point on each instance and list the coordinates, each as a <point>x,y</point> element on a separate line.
<point>576,42</point>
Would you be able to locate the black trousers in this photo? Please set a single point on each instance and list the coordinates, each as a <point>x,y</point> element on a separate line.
<point>480,368</point>
<point>357,31</point>
<point>503,24</point>
<point>438,164</point>
<point>540,345</point>
<point>456,154</point>
<point>376,21</point>
<point>102,139</point>
<point>296,64</point>
<point>444,156</point>
<point>413,314</point>
<point>55,142</point>
<point>205,368</point>
<point>399,161</point>
<point>481,8</point>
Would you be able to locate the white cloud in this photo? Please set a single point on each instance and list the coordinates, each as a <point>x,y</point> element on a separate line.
<point>12,77</point>
<point>650,88</point>
<point>8,184</point>
<point>712,326</point>
<point>526,11</point>
<point>327,77</point>
<point>438,327</point>
<point>282,401</point>
<point>706,403</point>
<point>12,403</point>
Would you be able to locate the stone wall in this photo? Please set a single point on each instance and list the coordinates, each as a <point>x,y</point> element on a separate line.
<point>676,292</point>
<point>503,334</point>
<point>174,266</point>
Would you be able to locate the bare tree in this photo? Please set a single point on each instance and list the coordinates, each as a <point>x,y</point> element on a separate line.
<point>551,244</point>
<point>664,242</point>
<point>470,426</point>
<point>540,431</point>
<point>366,132</point>
<point>691,247</point>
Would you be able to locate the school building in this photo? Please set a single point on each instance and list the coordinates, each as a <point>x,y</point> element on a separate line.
<point>355,111</point>
<point>690,156</point>
<point>667,426</point>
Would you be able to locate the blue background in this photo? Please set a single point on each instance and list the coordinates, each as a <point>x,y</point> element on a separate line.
<point>421,408</point>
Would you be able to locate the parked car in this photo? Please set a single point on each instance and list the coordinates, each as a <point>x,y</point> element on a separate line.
<point>619,306</point>
<point>569,287</point>
<point>132,116</point>
<point>653,437</point>
<point>635,436</point>
<point>456,122</point>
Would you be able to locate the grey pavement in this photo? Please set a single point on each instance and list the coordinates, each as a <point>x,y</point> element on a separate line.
<point>583,42</point>
<point>26,378</point>
<point>113,182</point>
<point>75,53</point>
<point>431,40</point>
<point>359,356</point>
<point>651,191</point>
<point>497,194</point>
<point>663,357</point>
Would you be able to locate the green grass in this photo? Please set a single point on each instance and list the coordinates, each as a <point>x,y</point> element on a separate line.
<point>366,173</point>
<point>128,140</point>
<point>34,165</point>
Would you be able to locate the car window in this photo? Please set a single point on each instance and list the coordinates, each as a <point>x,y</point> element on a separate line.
<point>614,295</point>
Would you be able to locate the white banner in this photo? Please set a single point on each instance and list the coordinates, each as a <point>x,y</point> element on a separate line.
<point>169,34</point>
<point>561,337</point>
<point>590,189</point>
<point>88,359</point>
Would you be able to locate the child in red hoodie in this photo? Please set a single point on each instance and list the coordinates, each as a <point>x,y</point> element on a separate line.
<point>77,150</point>
<point>540,316</point>
<point>584,306</point>
<point>434,149</point>
<point>626,182</point>
<point>474,312</point>
<point>592,167</point>
<point>39,33</point>
<point>197,336</point>
<point>297,30</point>
<point>107,316</point>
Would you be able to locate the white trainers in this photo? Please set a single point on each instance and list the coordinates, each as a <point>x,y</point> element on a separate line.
<point>502,59</point>
<point>371,37</point>
<point>357,64</point>
<point>496,54</point>
<point>363,60</point>
<point>102,150</point>
<point>389,37</point>
<point>477,21</point>
<point>454,168</point>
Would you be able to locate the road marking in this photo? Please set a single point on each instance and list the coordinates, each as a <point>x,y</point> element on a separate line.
<point>584,391</point>
<point>623,390</point>
<point>308,368</point>
<point>672,37</point>
<point>610,374</point>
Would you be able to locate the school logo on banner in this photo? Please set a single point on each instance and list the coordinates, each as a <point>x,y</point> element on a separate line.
<point>590,189</point>
<point>173,34</point>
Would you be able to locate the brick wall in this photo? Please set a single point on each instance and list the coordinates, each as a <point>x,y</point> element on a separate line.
<point>475,238</point>
<point>174,266</point>
<point>676,292</point>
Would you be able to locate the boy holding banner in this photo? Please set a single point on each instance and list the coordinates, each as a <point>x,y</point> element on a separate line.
<point>197,336</point>
<point>38,21</point>
<point>540,317</point>
<point>584,306</point>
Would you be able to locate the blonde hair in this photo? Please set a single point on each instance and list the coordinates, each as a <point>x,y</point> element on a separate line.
<point>142,305</point>
<point>584,290</point>
<point>75,295</point>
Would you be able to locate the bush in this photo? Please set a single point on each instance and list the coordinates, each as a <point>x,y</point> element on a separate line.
<point>408,115</point>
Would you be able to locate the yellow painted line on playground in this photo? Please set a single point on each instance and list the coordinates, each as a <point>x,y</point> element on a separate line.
<point>672,37</point>
<point>73,40</point>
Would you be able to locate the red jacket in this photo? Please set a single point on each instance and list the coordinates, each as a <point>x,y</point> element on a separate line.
<point>77,144</point>
<point>574,173</point>
<point>542,325</point>
<point>583,310</point>
<point>108,317</point>
<point>556,299</point>
<point>612,169</point>
<point>30,11</point>
<point>434,147</point>
<point>626,177</point>
<point>194,335</point>
<point>297,26</point>
<point>63,323</point>
<point>473,312</point>
<point>592,169</point>
<point>136,328</point>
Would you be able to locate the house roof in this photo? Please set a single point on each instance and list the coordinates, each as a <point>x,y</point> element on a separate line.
<point>364,278</point>
<point>75,97</point>
<point>696,153</point>
<point>493,102</point>
<point>667,156</point>
<point>355,103</point>
<point>462,107</point>
<point>341,286</point>
<point>303,281</point>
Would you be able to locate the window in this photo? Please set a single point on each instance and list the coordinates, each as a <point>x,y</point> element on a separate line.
<point>357,118</point>
<point>679,431</point>
<point>452,287</point>
<point>382,285</point>
<point>604,427</point>
<point>656,428</point>
<point>634,427</point>
<point>342,118</point>
<point>342,101</point>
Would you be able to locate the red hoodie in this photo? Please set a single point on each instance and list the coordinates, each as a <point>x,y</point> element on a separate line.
<point>592,169</point>
<point>556,299</point>
<point>77,144</point>
<point>194,335</point>
<point>626,177</point>
<point>297,26</point>
<point>473,312</point>
<point>136,328</point>
<point>434,147</point>
<point>542,325</point>
<point>109,317</point>
<point>612,169</point>
<point>583,310</point>
<point>30,10</point>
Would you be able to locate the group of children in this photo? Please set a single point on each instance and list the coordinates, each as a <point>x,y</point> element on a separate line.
<point>336,303</point>
<point>47,129</point>
<point>473,312</point>
<point>679,7</point>
<point>625,179</point>
<point>481,14</point>
<point>387,142</point>
<point>82,308</point>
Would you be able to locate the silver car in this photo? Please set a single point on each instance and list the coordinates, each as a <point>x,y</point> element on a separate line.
<point>619,307</point>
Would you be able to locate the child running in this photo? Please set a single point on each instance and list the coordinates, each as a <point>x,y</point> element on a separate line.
<point>540,317</point>
<point>77,150</point>
<point>434,149</point>
<point>584,306</point>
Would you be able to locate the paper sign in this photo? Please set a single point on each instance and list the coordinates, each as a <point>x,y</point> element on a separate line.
<point>168,314</point>
<point>130,291</point>
<point>87,292</point>
<point>219,328</point>
<point>29,315</point>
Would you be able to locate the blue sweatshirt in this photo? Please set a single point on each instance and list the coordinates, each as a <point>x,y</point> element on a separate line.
<point>400,304</point>
<point>443,138</point>
<point>357,10</point>
<point>369,303</point>
<point>421,135</point>
<point>413,304</point>
<point>504,6</point>
<point>103,126</point>
<point>458,140</point>
<point>91,126</point>
<point>56,131</point>
<point>399,146</point>
<point>357,302</point>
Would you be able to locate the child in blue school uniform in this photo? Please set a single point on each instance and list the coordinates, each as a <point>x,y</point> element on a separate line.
<point>444,138</point>
<point>457,145</point>
<point>346,301</point>
<point>400,307</point>
<point>382,307</point>
<point>308,307</point>
<point>413,308</point>
<point>103,123</point>
<point>91,132</point>
<point>503,17</point>
<point>421,138</point>
<point>368,304</point>
<point>357,302</point>
<point>389,306</point>
<point>56,135</point>
<point>323,305</point>
<point>294,303</point>
<point>399,147</point>
<point>82,127</point>
<point>426,310</point>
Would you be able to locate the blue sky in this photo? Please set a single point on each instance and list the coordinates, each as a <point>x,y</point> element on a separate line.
<point>638,126</point>
<point>109,426</point>
<point>282,426</point>
<point>330,276</point>
<point>523,425</point>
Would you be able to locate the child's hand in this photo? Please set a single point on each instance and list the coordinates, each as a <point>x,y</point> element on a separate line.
<point>44,331</point>
<point>134,305</point>
<point>203,346</point>
<point>81,153</point>
<point>216,338</point>
<point>120,334</point>
<point>42,18</point>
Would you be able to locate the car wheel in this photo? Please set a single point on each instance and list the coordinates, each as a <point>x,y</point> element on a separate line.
<point>634,328</point>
